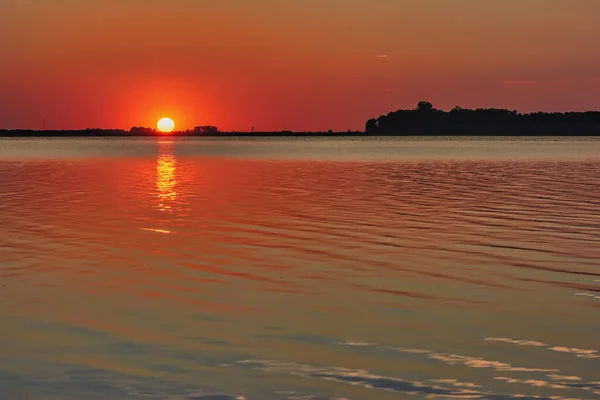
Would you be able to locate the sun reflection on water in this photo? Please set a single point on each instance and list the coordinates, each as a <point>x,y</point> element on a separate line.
<point>166,180</point>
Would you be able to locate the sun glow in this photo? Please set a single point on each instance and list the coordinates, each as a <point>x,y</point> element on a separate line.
<point>166,125</point>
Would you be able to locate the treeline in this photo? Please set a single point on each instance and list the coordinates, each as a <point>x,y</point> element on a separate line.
<point>204,131</point>
<point>426,120</point>
<point>135,131</point>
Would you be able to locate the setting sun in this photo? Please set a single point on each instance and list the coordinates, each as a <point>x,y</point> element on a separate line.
<point>166,125</point>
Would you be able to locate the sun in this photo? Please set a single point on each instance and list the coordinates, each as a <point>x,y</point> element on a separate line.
<point>166,125</point>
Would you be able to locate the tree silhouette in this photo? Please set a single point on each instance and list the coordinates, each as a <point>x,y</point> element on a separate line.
<point>207,129</point>
<point>424,106</point>
<point>371,126</point>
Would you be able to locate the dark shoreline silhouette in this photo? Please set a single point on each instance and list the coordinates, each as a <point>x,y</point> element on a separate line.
<point>424,120</point>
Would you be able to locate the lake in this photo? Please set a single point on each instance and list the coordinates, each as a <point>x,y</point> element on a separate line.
<point>299,269</point>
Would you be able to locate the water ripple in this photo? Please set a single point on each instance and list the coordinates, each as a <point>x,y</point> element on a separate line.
<point>366,379</point>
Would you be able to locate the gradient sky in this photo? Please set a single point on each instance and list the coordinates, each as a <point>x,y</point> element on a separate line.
<point>284,64</point>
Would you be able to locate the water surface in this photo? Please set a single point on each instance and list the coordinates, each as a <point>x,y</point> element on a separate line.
<point>293,269</point>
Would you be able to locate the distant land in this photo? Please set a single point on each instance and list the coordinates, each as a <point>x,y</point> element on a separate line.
<point>424,120</point>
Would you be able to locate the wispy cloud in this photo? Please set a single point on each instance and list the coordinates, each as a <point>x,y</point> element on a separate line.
<point>521,82</point>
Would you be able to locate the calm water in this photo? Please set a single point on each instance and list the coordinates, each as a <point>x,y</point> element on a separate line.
<point>299,269</point>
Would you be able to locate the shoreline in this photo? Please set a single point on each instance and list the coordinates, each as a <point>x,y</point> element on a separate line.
<point>124,134</point>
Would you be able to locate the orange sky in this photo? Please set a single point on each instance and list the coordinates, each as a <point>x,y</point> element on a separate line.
<point>298,65</point>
